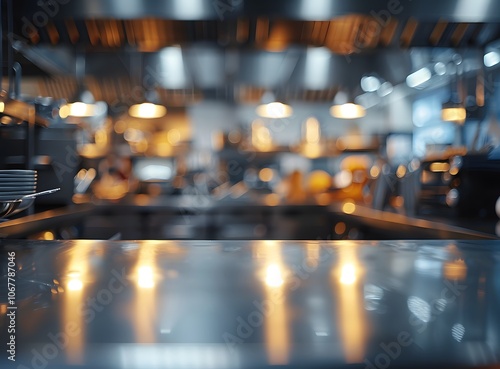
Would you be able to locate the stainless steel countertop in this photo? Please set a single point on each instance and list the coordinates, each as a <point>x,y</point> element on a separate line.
<point>239,304</point>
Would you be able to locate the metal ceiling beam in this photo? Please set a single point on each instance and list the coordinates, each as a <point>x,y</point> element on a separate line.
<point>423,10</point>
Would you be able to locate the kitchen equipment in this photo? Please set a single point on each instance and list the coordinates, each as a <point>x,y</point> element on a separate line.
<point>17,183</point>
<point>13,206</point>
<point>46,192</point>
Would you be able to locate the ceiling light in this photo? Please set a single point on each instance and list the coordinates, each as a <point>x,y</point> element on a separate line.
<point>274,110</point>
<point>83,104</point>
<point>418,78</point>
<point>344,107</point>
<point>492,58</point>
<point>348,111</point>
<point>453,112</point>
<point>454,109</point>
<point>370,83</point>
<point>440,68</point>
<point>77,109</point>
<point>147,110</point>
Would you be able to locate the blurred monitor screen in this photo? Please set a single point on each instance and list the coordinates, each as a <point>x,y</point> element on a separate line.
<point>154,169</point>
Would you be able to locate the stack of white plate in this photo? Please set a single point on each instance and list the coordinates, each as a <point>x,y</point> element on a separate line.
<point>15,184</point>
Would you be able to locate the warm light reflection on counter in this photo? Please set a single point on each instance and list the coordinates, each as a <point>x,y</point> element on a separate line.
<point>348,274</point>
<point>145,299</point>
<point>274,276</point>
<point>75,284</point>
<point>277,338</point>
<point>312,254</point>
<point>76,274</point>
<point>350,311</point>
<point>145,277</point>
<point>455,270</point>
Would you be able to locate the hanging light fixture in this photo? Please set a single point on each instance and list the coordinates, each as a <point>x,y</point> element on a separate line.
<point>345,108</point>
<point>454,110</point>
<point>270,108</point>
<point>147,110</point>
<point>83,104</point>
<point>150,108</point>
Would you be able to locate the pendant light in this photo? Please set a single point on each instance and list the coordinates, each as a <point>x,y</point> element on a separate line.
<point>83,104</point>
<point>150,108</point>
<point>454,110</point>
<point>272,109</point>
<point>344,107</point>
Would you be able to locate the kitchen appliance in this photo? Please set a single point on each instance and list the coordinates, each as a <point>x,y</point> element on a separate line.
<point>463,186</point>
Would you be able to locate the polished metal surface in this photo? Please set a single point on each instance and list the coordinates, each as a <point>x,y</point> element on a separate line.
<point>237,304</point>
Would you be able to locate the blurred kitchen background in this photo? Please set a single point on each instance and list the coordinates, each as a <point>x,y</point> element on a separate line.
<point>236,119</point>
